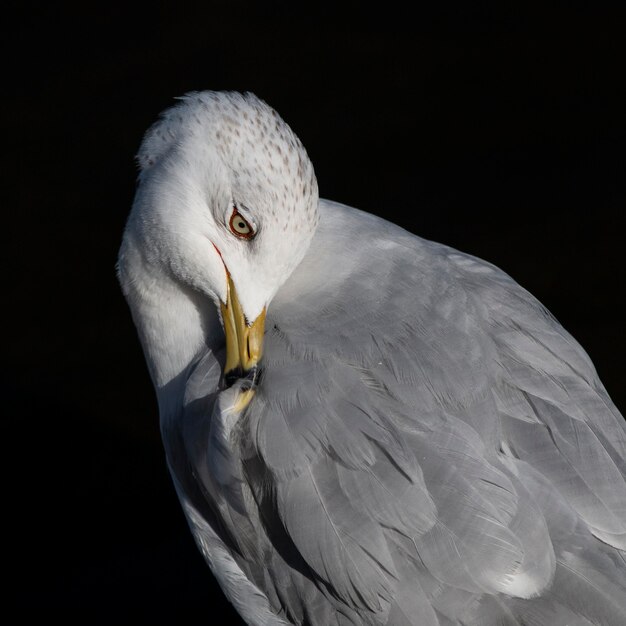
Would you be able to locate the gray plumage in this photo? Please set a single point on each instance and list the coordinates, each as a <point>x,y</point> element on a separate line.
<point>426,446</point>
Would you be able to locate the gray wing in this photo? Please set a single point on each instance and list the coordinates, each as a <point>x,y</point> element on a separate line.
<point>202,471</point>
<point>427,446</point>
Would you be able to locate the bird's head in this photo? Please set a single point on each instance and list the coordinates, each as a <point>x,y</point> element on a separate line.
<point>227,204</point>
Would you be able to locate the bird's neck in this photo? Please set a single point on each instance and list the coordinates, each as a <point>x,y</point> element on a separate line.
<point>175,324</point>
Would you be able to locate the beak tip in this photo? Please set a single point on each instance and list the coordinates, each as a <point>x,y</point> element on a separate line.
<point>246,386</point>
<point>248,379</point>
<point>244,342</point>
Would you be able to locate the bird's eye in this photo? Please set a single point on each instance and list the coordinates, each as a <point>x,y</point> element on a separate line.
<point>239,226</point>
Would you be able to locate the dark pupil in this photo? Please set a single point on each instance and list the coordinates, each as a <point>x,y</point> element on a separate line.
<point>241,225</point>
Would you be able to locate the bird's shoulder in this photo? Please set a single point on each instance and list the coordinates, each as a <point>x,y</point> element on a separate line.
<point>400,400</point>
<point>417,421</point>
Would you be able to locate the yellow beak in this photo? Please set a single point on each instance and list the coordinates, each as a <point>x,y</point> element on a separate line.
<point>244,344</point>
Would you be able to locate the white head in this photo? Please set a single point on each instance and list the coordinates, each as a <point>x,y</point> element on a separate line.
<point>226,189</point>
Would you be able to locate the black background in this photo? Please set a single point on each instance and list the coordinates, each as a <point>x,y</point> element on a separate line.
<point>495,129</point>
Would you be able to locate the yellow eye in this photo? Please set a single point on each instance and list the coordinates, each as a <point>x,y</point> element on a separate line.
<point>239,226</point>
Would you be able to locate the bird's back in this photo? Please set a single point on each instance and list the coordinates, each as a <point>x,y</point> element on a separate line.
<point>427,445</point>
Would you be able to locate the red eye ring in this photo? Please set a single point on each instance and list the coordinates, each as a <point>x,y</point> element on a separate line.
<point>239,225</point>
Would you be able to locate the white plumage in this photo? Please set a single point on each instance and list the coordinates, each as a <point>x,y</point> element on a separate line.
<point>420,442</point>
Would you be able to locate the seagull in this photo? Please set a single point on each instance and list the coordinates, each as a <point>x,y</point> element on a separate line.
<point>363,427</point>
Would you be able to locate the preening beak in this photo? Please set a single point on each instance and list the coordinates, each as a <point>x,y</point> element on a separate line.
<point>244,342</point>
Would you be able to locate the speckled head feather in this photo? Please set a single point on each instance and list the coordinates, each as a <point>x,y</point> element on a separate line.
<point>209,154</point>
<point>259,149</point>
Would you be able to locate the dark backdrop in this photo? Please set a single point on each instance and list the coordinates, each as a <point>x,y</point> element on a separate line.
<point>496,130</point>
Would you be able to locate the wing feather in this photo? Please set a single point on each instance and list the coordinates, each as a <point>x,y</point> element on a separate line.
<point>427,445</point>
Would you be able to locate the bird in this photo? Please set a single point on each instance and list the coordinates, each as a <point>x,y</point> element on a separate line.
<point>363,427</point>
